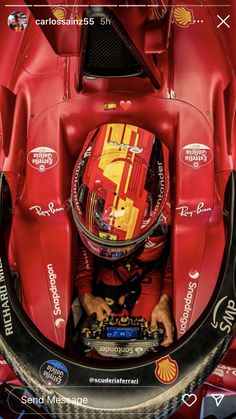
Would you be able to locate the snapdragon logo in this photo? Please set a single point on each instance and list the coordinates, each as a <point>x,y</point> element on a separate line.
<point>187,307</point>
<point>53,289</point>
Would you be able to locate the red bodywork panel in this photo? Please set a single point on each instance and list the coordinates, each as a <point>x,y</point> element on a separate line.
<point>45,121</point>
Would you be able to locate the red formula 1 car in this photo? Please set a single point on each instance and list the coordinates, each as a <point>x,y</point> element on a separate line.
<point>169,69</point>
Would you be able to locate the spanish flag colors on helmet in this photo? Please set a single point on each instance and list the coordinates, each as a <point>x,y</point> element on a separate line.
<point>119,187</point>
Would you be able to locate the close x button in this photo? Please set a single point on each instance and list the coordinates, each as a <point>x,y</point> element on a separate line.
<point>223,21</point>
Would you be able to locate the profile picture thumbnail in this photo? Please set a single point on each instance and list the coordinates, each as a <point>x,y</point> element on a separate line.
<point>17,21</point>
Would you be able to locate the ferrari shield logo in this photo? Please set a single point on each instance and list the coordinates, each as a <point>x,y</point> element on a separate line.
<point>167,370</point>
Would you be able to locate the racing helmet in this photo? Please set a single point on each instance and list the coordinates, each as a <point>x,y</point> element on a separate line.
<point>119,186</point>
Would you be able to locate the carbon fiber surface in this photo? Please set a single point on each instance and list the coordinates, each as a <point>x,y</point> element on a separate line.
<point>160,407</point>
<point>106,53</point>
<point>102,46</point>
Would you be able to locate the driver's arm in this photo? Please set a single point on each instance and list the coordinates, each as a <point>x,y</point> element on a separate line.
<point>162,311</point>
<point>84,280</point>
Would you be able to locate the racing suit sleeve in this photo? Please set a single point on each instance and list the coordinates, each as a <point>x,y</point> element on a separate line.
<point>167,287</point>
<point>84,271</point>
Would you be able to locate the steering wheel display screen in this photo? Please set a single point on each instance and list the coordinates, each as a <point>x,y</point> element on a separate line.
<point>122,333</point>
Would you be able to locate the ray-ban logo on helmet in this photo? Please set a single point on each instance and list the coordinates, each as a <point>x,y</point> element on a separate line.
<point>126,147</point>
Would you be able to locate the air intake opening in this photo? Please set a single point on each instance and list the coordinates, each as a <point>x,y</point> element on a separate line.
<point>107,55</point>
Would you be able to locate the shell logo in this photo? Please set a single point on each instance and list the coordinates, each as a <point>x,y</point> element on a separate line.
<point>59,14</point>
<point>167,370</point>
<point>183,16</point>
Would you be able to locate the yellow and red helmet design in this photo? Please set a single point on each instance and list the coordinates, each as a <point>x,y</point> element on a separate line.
<point>119,187</point>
